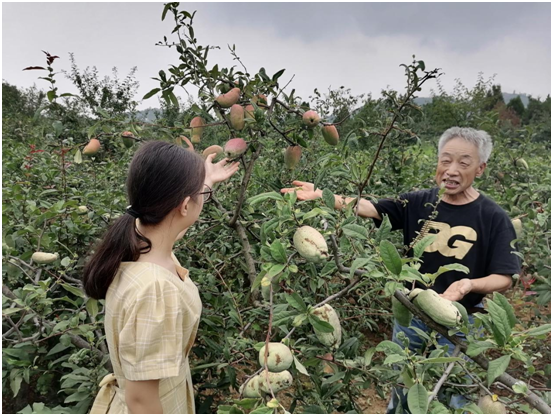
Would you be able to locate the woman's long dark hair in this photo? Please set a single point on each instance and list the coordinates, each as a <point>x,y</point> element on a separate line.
<point>161,176</point>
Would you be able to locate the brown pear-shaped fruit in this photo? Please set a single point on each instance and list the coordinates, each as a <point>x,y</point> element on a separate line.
<point>229,99</point>
<point>330,134</point>
<point>292,156</point>
<point>311,118</point>
<point>92,147</point>
<point>237,117</point>
<point>196,125</point>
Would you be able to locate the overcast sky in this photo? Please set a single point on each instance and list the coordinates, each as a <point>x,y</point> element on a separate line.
<point>358,45</point>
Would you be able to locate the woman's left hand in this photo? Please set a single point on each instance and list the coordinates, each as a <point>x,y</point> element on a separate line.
<point>220,171</point>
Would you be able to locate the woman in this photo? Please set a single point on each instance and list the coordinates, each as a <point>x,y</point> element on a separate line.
<point>152,308</point>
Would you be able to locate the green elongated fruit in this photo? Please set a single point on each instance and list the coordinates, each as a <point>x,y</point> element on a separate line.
<point>235,147</point>
<point>442,311</point>
<point>279,358</point>
<point>311,118</point>
<point>41,257</point>
<point>330,134</point>
<point>311,244</point>
<point>266,284</point>
<point>413,293</point>
<point>521,163</point>
<point>279,381</point>
<point>292,156</point>
<point>402,315</point>
<point>489,406</point>
<point>213,149</point>
<point>229,99</point>
<point>237,117</point>
<point>328,314</point>
<point>196,124</point>
<point>250,389</point>
<point>517,224</point>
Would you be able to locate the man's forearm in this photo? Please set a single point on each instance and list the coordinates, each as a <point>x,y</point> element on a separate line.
<point>366,208</point>
<point>491,283</point>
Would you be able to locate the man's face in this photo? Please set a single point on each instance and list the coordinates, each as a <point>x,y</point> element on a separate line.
<point>458,165</point>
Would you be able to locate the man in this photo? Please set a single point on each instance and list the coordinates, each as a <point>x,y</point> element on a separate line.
<point>471,229</point>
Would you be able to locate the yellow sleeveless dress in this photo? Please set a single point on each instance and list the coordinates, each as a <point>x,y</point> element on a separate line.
<point>151,321</point>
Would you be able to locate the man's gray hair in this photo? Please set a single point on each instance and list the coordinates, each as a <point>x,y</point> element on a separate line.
<point>479,138</point>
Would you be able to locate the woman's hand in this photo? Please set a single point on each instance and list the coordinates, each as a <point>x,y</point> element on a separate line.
<point>304,190</point>
<point>220,171</point>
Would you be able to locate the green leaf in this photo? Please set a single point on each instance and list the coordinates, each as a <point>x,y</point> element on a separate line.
<point>51,95</point>
<point>453,267</point>
<point>65,261</point>
<point>367,358</point>
<point>440,360</point>
<point>300,367</point>
<point>520,387</point>
<point>59,347</point>
<point>262,410</point>
<point>92,307</point>
<point>358,264</point>
<point>78,158</point>
<point>258,279</point>
<point>15,382</point>
<point>328,198</point>
<point>275,270</point>
<point>263,197</point>
<point>384,230</point>
<point>497,367</point>
<point>502,301</point>
<point>499,320</point>
<point>355,231</point>
<point>418,249</point>
<point>9,311</point>
<point>473,408</point>
<point>165,10</point>
<point>278,252</point>
<point>394,358</point>
<point>391,257</point>
<point>77,396</point>
<point>151,93</point>
<point>320,325</point>
<point>296,301</point>
<point>389,347</point>
<point>76,291</point>
<point>417,399</point>
<point>479,347</point>
<point>462,310</point>
<point>540,330</point>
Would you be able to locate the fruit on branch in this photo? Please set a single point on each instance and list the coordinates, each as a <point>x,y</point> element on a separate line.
<point>521,163</point>
<point>328,314</point>
<point>278,381</point>
<point>279,358</point>
<point>212,149</point>
<point>235,147</point>
<point>237,117</point>
<point>413,293</point>
<point>196,124</point>
<point>92,147</point>
<point>41,257</point>
<point>260,100</point>
<point>249,111</point>
<point>311,118</point>
<point>442,311</point>
<point>128,138</point>
<point>250,389</point>
<point>517,224</point>
<point>490,406</point>
<point>82,209</point>
<point>311,244</point>
<point>229,99</point>
<point>266,284</point>
<point>330,134</point>
<point>292,156</point>
<point>402,315</point>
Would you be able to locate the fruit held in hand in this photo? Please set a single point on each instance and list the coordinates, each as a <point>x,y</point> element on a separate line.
<point>235,147</point>
<point>292,156</point>
<point>229,99</point>
<point>212,149</point>
<point>92,147</point>
<point>332,339</point>
<point>311,244</point>
<point>237,117</point>
<point>41,257</point>
<point>279,358</point>
<point>196,124</point>
<point>441,310</point>
<point>330,134</point>
<point>490,406</point>
<point>311,118</point>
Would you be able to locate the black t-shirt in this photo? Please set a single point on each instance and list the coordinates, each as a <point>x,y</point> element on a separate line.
<point>476,235</point>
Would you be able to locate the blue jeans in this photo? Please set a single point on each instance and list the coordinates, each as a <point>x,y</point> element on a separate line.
<point>415,343</point>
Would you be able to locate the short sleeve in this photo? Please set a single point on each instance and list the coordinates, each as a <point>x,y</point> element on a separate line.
<point>502,260</point>
<point>394,209</point>
<point>150,343</point>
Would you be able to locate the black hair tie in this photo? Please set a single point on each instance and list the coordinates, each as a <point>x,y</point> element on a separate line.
<point>132,212</point>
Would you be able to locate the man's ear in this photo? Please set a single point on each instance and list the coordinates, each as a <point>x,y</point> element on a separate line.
<point>183,208</point>
<point>481,169</point>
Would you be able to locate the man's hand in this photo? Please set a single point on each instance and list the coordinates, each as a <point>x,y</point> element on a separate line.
<point>304,190</point>
<point>458,290</point>
<point>220,171</point>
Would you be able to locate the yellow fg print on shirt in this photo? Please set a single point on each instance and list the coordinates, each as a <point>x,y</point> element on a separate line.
<point>444,233</point>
